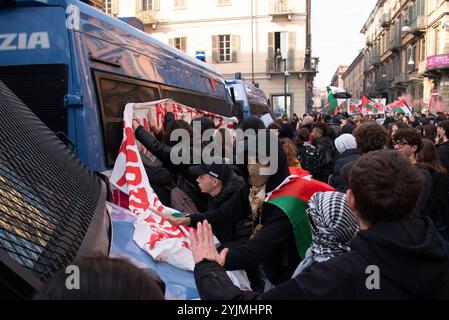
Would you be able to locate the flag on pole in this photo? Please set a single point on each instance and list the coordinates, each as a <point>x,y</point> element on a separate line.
<point>333,104</point>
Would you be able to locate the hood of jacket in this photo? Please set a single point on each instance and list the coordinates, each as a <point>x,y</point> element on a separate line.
<point>280,164</point>
<point>409,253</point>
<point>323,141</point>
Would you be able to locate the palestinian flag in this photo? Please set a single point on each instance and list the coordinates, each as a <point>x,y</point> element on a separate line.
<point>367,105</point>
<point>333,103</point>
<point>399,106</point>
<point>292,197</point>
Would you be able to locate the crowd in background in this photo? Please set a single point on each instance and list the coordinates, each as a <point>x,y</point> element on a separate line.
<point>391,179</point>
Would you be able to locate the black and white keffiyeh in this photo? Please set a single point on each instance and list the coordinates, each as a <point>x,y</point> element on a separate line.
<point>333,225</point>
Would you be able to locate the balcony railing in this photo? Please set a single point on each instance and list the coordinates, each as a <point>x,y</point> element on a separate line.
<point>277,66</point>
<point>385,20</point>
<point>375,60</point>
<point>419,25</point>
<point>395,44</point>
<point>383,85</point>
<point>282,7</point>
<point>401,79</point>
<point>368,41</point>
<point>147,17</point>
<point>311,64</point>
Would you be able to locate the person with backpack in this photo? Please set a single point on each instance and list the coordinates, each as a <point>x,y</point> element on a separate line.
<point>308,155</point>
<point>437,207</point>
<point>326,150</point>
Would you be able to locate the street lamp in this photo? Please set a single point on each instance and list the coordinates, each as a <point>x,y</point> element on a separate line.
<point>411,62</point>
<point>286,74</point>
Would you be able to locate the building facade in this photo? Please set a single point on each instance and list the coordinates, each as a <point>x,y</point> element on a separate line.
<point>264,42</point>
<point>353,77</point>
<point>337,78</point>
<point>406,51</point>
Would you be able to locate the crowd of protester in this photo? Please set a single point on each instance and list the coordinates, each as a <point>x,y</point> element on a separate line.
<point>390,208</point>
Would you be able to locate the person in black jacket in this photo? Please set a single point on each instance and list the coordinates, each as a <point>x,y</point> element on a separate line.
<point>394,256</point>
<point>272,241</point>
<point>326,150</point>
<point>217,180</point>
<point>443,148</point>
<point>347,147</point>
<point>369,136</point>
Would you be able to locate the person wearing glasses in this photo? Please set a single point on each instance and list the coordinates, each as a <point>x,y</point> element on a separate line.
<point>409,143</point>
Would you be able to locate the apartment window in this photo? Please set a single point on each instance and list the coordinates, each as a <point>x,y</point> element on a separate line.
<point>422,51</point>
<point>225,48</point>
<point>147,5</point>
<point>224,2</point>
<point>108,6</point>
<point>179,43</point>
<point>179,4</point>
<point>437,34</point>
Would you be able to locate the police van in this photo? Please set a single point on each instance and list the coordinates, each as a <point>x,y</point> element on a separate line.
<point>249,99</point>
<point>76,68</point>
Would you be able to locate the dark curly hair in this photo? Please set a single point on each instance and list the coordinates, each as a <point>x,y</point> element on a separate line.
<point>302,136</point>
<point>378,180</point>
<point>445,125</point>
<point>370,137</point>
<point>411,136</point>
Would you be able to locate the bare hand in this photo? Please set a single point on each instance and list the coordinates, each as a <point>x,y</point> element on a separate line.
<point>153,127</point>
<point>203,246</point>
<point>136,124</point>
<point>179,221</point>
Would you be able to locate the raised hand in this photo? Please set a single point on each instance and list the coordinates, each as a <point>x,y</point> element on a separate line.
<point>203,246</point>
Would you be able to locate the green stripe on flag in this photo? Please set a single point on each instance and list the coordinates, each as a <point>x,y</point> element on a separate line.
<point>295,209</point>
<point>332,101</point>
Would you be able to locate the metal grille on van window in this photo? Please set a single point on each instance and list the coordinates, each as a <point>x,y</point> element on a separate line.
<point>114,132</point>
<point>47,196</point>
<point>42,89</point>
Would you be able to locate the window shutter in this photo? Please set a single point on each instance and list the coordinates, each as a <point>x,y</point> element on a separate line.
<point>139,6</point>
<point>270,52</point>
<point>184,44</point>
<point>235,48</point>
<point>270,45</point>
<point>215,46</point>
<point>291,50</point>
<point>171,42</point>
<point>114,7</point>
<point>156,5</point>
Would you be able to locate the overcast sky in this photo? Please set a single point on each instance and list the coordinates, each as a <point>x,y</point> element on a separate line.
<point>336,37</point>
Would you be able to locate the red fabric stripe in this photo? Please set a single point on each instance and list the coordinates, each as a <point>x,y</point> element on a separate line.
<point>301,188</point>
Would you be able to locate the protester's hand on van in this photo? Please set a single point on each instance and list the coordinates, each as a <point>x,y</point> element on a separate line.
<point>179,221</point>
<point>155,129</point>
<point>203,246</point>
<point>136,124</point>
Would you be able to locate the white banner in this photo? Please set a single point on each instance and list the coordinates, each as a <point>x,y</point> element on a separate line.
<point>153,233</point>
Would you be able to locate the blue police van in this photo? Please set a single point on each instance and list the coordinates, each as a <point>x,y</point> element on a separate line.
<point>249,99</point>
<point>76,68</point>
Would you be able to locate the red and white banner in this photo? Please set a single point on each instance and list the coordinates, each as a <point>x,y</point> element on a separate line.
<point>153,233</point>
